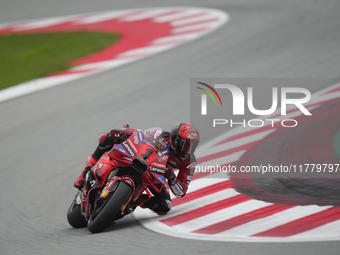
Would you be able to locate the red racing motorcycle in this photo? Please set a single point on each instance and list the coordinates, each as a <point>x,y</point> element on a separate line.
<point>119,178</point>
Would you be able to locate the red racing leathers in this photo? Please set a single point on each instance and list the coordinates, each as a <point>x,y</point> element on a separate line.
<point>186,171</point>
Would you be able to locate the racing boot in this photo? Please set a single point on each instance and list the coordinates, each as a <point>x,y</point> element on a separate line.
<point>79,183</point>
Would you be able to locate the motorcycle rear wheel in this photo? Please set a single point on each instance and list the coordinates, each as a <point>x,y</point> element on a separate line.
<point>111,208</point>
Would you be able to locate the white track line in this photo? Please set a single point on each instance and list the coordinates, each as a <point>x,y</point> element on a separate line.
<point>207,25</point>
<point>146,50</point>
<point>183,37</point>
<point>104,64</point>
<point>181,14</point>
<point>145,15</point>
<point>192,20</point>
<point>42,23</point>
<point>101,17</point>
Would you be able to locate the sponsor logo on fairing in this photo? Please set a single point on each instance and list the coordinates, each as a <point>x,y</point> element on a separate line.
<point>157,169</point>
<point>165,157</point>
<point>120,148</point>
<point>166,151</point>
<point>129,149</point>
<point>160,177</point>
<point>161,153</point>
<point>135,138</point>
<point>140,135</point>
<point>132,146</point>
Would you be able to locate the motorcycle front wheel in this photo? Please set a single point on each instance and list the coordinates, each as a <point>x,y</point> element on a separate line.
<point>74,215</point>
<point>110,209</point>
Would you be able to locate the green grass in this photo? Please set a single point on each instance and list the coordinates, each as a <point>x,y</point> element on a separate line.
<point>25,57</point>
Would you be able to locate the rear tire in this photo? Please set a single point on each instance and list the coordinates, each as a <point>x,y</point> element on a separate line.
<point>111,208</point>
<point>75,217</point>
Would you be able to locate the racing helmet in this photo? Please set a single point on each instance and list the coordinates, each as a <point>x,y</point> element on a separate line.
<point>184,139</point>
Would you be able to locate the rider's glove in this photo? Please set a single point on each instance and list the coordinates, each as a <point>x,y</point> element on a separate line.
<point>115,135</point>
<point>169,174</point>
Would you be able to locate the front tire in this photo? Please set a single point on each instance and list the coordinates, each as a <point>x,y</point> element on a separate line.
<point>75,217</point>
<point>111,208</point>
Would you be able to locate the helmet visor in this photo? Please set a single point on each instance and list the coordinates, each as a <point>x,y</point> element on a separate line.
<point>186,147</point>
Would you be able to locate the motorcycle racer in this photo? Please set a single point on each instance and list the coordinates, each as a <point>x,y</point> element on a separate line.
<point>180,145</point>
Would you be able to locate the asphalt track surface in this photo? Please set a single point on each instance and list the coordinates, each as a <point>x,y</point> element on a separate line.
<point>46,136</point>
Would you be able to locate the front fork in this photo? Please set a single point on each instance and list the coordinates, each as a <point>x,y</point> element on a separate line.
<point>111,187</point>
<point>78,197</point>
<point>94,180</point>
<point>131,202</point>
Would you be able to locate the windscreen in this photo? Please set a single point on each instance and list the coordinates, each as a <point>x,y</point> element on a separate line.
<point>154,136</point>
